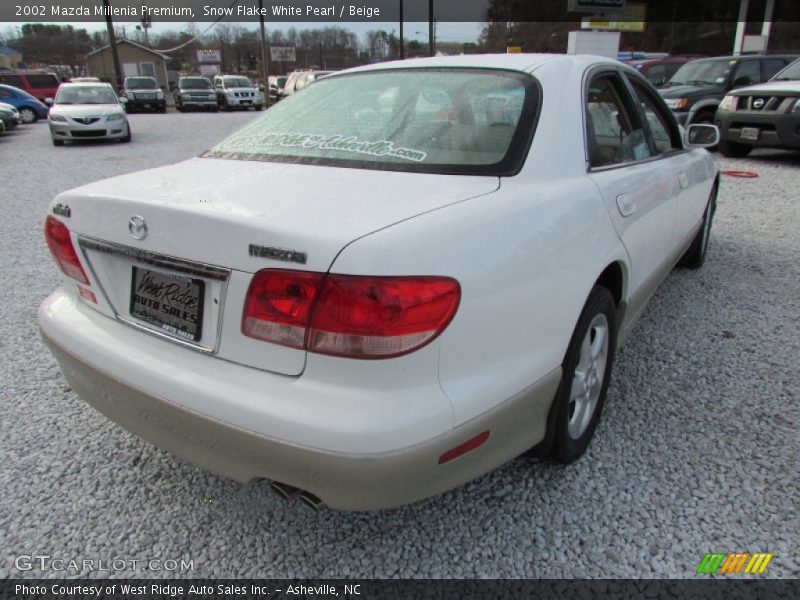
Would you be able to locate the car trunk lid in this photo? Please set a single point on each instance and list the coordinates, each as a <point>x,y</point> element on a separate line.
<point>209,224</point>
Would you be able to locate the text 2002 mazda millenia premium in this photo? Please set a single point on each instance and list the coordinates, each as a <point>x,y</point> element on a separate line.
<point>392,282</point>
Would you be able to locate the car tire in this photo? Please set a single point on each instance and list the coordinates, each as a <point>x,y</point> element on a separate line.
<point>28,115</point>
<point>162,110</point>
<point>733,150</point>
<point>127,139</point>
<point>259,108</point>
<point>586,371</point>
<point>695,256</point>
<point>58,142</point>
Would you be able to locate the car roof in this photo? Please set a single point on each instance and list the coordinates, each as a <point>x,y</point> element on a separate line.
<point>524,63</point>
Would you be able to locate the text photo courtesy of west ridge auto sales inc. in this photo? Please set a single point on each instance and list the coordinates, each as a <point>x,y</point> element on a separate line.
<point>400,298</point>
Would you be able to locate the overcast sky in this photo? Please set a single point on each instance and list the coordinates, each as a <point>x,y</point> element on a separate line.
<point>445,32</point>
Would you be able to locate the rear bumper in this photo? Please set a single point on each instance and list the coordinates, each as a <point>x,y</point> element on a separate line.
<point>775,130</point>
<point>351,481</point>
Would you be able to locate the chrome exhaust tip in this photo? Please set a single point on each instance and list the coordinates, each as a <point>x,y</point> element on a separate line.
<point>285,491</point>
<point>311,501</point>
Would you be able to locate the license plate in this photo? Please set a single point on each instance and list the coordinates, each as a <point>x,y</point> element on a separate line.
<point>170,303</point>
<point>749,133</point>
<point>246,101</point>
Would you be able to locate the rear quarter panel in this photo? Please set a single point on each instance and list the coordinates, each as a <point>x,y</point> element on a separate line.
<point>526,258</point>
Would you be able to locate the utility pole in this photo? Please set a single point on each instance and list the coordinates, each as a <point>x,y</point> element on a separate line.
<point>431,42</point>
<point>264,58</point>
<point>112,40</point>
<point>402,48</point>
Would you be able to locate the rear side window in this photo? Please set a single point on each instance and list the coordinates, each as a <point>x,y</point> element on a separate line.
<point>14,80</point>
<point>42,81</point>
<point>468,121</point>
<point>665,135</point>
<point>614,132</point>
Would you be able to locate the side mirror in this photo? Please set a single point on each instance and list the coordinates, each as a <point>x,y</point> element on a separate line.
<point>701,135</point>
<point>48,101</point>
<point>123,100</point>
<point>741,81</point>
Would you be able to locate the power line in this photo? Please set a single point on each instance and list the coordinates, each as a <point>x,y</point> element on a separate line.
<point>199,35</point>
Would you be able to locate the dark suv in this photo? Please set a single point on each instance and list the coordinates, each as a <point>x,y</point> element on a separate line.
<point>143,92</point>
<point>695,91</point>
<point>766,115</point>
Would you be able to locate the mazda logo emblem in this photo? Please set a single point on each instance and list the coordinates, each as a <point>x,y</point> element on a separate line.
<point>758,103</point>
<point>138,227</point>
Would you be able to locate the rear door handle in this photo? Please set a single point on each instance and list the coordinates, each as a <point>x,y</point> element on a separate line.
<point>626,205</point>
<point>684,180</point>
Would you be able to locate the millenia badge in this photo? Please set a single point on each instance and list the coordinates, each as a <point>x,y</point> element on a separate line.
<point>734,563</point>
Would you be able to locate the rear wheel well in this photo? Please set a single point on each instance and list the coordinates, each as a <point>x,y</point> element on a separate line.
<point>612,279</point>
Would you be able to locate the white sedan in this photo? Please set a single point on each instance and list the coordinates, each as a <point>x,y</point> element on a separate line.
<point>392,282</point>
<point>87,110</point>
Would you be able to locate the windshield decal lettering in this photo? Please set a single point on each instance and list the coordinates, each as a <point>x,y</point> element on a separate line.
<point>338,143</point>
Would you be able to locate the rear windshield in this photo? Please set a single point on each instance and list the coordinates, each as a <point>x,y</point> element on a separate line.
<point>140,83</point>
<point>42,81</point>
<point>86,94</point>
<point>194,83</point>
<point>465,121</point>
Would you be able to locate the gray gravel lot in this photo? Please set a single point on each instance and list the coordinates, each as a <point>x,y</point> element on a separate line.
<point>697,450</point>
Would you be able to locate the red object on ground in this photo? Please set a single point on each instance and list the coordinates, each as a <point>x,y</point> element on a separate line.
<point>742,174</point>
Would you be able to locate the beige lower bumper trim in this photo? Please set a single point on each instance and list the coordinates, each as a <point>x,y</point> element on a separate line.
<point>348,482</point>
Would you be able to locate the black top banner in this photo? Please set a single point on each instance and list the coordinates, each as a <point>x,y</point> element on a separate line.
<point>419,589</point>
<point>331,11</point>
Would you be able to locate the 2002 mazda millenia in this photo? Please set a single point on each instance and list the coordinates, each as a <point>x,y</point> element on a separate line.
<point>389,284</point>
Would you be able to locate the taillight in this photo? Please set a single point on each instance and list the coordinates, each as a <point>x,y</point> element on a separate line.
<point>278,306</point>
<point>58,240</point>
<point>349,315</point>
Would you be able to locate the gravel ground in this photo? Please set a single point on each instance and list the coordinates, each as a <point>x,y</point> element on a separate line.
<point>697,450</point>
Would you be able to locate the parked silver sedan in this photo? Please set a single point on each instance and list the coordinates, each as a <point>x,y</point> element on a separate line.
<point>87,111</point>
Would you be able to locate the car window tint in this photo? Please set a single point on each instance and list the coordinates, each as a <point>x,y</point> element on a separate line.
<point>770,66</point>
<point>614,133</point>
<point>665,137</point>
<point>427,120</point>
<point>657,74</point>
<point>42,81</point>
<point>14,80</point>
<point>749,69</point>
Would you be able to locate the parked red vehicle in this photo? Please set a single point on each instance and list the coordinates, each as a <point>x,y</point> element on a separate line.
<point>659,70</point>
<point>39,85</point>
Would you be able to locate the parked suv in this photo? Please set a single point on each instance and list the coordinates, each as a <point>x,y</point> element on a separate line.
<point>695,91</point>
<point>195,92</point>
<point>766,115</point>
<point>237,91</point>
<point>38,85</point>
<point>299,80</point>
<point>143,93</point>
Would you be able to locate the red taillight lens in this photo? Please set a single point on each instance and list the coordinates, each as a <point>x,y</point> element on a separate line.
<point>58,240</point>
<point>278,306</point>
<point>379,317</point>
<point>349,315</point>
